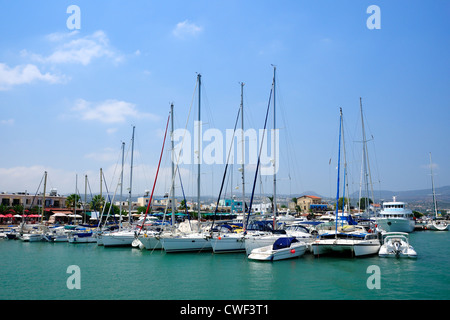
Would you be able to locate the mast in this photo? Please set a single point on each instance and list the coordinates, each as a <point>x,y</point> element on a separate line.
<point>121,186</point>
<point>43,198</point>
<point>131,178</point>
<point>366,166</point>
<point>199,77</point>
<point>432,186</point>
<point>243,151</point>
<point>85,196</point>
<point>339,168</point>
<point>101,194</point>
<point>274,150</point>
<point>173,165</point>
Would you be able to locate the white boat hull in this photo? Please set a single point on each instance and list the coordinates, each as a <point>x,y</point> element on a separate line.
<point>268,254</point>
<point>77,239</point>
<point>437,226</point>
<point>31,237</point>
<point>356,248</point>
<point>150,242</point>
<point>188,243</point>
<point>118,239</point>
<point>396,224</point>
<point>228,243</point>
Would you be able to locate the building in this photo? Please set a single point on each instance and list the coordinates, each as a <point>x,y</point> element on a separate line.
<point>52,200</point>
<point>159,204</point>
<point>309,203</point>
<point>230,205</point>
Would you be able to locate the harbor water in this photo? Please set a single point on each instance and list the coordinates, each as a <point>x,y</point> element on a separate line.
<point>42,271</point>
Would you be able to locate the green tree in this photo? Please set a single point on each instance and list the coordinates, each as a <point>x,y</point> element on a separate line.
<point>97,202</point>
<point>363,201</point>
<point>73,201</point>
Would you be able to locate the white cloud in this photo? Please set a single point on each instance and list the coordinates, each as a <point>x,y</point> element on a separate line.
<point>78,50</point>
<point>23,74</point>
<point>186,29</point>
<point>109,111</point>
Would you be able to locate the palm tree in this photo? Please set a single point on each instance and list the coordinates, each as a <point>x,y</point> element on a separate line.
<point>73,201</point>
<point>97,202</point>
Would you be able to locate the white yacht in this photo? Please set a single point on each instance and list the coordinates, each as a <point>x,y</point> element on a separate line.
<point>396,217</point>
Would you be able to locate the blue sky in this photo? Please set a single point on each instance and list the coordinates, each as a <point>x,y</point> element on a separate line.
<point>69,98</point>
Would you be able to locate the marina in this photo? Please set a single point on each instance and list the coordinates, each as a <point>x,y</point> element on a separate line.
<point>38,271</point>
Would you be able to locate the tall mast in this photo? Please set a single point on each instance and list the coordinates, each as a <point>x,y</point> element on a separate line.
<point>101,194</point>
<point>199,77</point>
<point>43,198</point>
<point>243,151</point>
<point>131,177</point>
<point>366,167</point>
<point>85,196</point>
<point>274,150</point>
<point>173,166</point>
<point>432,186</point>
<point>121,185</point>
<point>339,168</point>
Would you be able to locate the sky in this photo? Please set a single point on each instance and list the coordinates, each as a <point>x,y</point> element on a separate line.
<point>73,83</point>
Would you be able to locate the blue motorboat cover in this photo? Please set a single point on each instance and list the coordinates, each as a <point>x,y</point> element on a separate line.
<point>284,242</point>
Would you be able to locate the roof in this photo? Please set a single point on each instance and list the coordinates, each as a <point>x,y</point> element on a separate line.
<point>312,197</point>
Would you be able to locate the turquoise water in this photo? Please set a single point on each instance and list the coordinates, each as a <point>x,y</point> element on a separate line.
<point>38,271</point>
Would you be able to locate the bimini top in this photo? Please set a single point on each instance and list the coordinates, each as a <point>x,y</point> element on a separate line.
<point>283,242</point>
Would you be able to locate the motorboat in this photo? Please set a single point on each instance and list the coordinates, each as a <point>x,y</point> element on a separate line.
<point>396,245</point>
<point>282,248</point>
<point>396,217</point>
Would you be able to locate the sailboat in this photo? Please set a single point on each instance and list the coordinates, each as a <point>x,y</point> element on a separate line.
<point>123,237</point>
<point>196,240</point>
<point>228,242</point>
<point>262,239</point>
<point>36,233</point>
<point>437,223</point>
<point>346,239</point>
<point>147,238</point>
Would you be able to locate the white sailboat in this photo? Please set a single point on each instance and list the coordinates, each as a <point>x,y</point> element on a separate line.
<point>35,233</point>
<point>197,240</point>
<point>437,223</point>
<point>346,239</point>
<point>123,237</point>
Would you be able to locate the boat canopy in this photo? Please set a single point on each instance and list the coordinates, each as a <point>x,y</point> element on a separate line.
<point>284,242</point>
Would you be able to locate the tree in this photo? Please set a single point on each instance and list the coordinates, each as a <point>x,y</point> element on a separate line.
<point>73,201</point>
<point>363,201</point>
<point>341,201</point>
<point>97,202</point>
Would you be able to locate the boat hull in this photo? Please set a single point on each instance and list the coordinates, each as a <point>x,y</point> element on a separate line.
<point>150,242</point>
<point>192,243</point>
<point>396,224</point>
<point>356,248</point>
<point>437,226</point>
<point>268,254</point>
<point>118,239</point>
<point>228,243</point>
